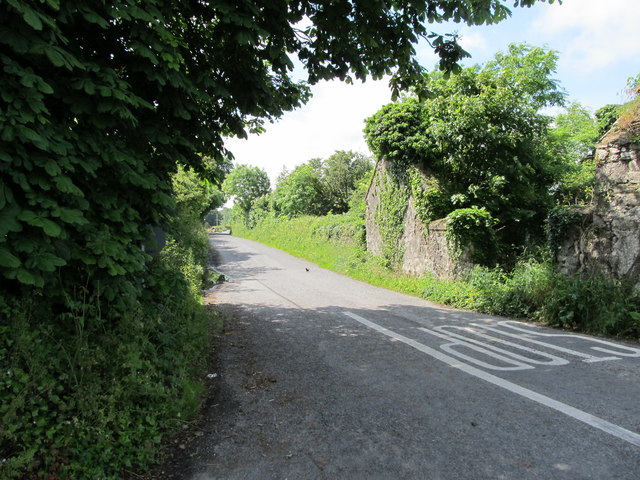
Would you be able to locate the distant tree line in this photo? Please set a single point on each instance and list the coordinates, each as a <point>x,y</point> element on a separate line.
<point>316,187</point>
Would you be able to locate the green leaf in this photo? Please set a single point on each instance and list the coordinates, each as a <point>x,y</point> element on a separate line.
<point>55,57</point>
<point>93,17</point>
<point>48,262</point>
<point>65,185</point>
<point>26,277</point>
<point>70,215</point>
<point>41,220</point>
<point>32,18</point>
<point>5,195</point>
<point>9,220</point>
<point>30,134</point>
<point>51,228</point>
<point>8,260</point>
<point>52,168</point>
<point>44,87</point>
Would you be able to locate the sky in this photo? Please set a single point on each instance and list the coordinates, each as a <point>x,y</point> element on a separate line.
<point>598,42</point>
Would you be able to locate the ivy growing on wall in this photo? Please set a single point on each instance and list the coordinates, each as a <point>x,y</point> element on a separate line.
<point>560,220</point>
<point>472,227</point>
<point>431,202</point>
<point>390,211</point>
<point>477,142</point>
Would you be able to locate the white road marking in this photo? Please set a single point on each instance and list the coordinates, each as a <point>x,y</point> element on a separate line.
<point>619,349</point>
<point>591,420</point>
<point>585,357</point>
<point>466,339</point>
<point>455,342</point>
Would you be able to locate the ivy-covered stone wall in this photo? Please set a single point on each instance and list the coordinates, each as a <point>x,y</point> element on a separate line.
<point>606,235</point>
<point>399,231</point>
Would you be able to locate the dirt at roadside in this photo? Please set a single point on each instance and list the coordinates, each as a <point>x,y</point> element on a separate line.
<point>234,384</point>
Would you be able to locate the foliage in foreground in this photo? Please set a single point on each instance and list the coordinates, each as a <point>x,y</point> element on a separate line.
<point>532,290</point>
<point>92,394</point>
<point>92,382</point>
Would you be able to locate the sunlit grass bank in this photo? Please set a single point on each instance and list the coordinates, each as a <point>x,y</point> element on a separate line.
<point>532,291</point>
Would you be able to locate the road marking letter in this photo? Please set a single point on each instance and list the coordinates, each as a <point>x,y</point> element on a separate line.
<point>582,416</point>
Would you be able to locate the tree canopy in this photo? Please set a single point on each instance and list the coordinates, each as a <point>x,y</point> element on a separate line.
<point>100,101</point>
<point>480,135</point>
<point>246,184</point>
<point>321,185</point>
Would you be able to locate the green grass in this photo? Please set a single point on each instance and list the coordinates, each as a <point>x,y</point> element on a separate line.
<point>315,239</point>
<point>531,291</point>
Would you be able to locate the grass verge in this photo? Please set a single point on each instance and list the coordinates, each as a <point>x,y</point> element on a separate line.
<point>533,290</point>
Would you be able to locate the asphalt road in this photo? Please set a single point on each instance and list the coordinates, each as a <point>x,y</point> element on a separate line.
<point>324,377</point>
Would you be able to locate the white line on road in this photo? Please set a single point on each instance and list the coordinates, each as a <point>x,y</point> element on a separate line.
<point>592,420</point>
<point>552,359</point>
<point>620,349</point>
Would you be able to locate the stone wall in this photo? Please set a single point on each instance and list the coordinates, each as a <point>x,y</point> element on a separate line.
<point>608,235</point>
<point>373,236</point>
<point>424,248</point>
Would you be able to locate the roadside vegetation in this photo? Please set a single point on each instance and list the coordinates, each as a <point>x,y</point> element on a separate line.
<point>92,394</point>
<point>113,120</point>
<point>513,199</point>
<point>532,290</point>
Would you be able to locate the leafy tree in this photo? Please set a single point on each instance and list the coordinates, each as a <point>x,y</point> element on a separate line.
<point>482,138</point>
<point>575,132</point>
<point>572,140</point>
<point>220,216</point>
<point>606,117</point>
<point>320,186</point>
<point>341,173</point>
<point>246,184</point>
<point>301,193</point>
<point>195,195</point>
<point>260,208</point>
<point>100,100</point>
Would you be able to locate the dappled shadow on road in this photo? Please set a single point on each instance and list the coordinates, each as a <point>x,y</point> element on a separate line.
<point>235,270</point>
<point>224,249</point>
<point>300,391</point>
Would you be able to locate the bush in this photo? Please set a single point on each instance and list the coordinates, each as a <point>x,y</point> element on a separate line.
<point>473,227</point>
<point>519,294</point>
<point>341,228</point>
<point>91,393</point>
<point>593,303</point>
<point>95,375</point>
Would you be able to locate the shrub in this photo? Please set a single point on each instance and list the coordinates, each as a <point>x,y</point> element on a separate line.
<point>94,376</point>
<point>520,293</point>
<point>593,303</point>
<point>473,227</point>
<point>92,393</point>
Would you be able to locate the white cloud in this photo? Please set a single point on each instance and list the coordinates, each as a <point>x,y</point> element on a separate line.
<point>473,40</point>
<point>594,33</point>
<point>599,44</point>
<point>332,120</point>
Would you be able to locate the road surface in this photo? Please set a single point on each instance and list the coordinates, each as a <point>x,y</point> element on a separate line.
<point>324,377</point>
